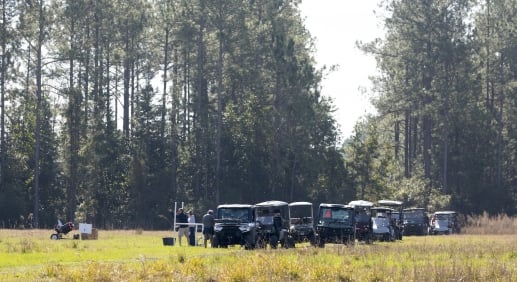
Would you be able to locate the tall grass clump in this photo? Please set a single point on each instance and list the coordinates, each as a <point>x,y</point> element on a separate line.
<point>490,224</point>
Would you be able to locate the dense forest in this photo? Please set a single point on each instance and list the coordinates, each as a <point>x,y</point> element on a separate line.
<point>113,110</point>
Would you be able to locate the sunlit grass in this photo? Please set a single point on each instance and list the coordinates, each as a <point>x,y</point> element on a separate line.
<point>141,256</point>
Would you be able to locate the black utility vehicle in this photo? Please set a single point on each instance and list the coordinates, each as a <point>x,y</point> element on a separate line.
<point>416,221</point>
<point>301,222</point>
<point>234,225</point>
<point>362,220</point>
<point>272,224</point>
<point>335,224</point>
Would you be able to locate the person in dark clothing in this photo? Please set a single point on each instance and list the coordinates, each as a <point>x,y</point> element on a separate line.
<point>277,223</point>
<point>182,222</point>
<point>277,228</point>
<point>208,227</point>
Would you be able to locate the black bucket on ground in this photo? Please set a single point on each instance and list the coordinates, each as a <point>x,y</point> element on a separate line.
<point>169,241</point>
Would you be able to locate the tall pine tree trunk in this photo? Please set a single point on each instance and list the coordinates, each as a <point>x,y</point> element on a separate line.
<point>3,147</point>
<point>201,126</point>
<point>37,134</point>
<point>127,74</point>
<point>220,67</point>
<point>74,101</point>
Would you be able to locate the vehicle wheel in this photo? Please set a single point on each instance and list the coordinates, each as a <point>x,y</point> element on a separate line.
<point>312,240</point>
<point>320,242</point>
<point>291,242</point>
<point>261,243</point>
<point>54,237</point>
<point>249,246</point>
<point>248,243</point>
<point>215,242</point>
<point>273,241</point>
<point>369,238</point>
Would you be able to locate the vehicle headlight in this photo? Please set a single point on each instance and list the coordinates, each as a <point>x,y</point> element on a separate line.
<point>246,227</point>
<point>218,228</point>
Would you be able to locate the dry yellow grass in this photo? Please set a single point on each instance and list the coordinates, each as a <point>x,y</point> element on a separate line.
<point>490,224</point>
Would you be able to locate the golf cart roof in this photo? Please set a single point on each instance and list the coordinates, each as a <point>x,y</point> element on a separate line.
<point>325,205</point>
<point>445,212</point>
<point>300,204</point>
<point>413,209</point>
<point>234,206</point>
<point>271,204</point>
<point>382,209</point>
<point>360,203</point>
<point>389,203</point>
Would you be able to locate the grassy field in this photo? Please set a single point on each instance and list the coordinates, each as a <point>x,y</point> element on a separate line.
<point>140,256</point>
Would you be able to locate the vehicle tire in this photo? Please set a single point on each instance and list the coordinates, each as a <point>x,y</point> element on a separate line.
<point>248,243</point>
<point>290,242</point>
<point>261,243</point>
<point>54,236</point>
<point>215,242</point>
<point>312,239</point>
<point>249,246</point>
<point>320,242</point>
<point>273,241</point>
<point>369,238</point>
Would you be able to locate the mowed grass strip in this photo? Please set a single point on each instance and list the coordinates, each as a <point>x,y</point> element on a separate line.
<point>140,256</point>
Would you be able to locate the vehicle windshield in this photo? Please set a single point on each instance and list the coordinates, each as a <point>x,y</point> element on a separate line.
<point>242,214</point>
<point>335,215</point>
<point>414,215</point>
<point>362,217</point>
<point>300,214</point>
<point>264,216</point>
<point>442,216</point>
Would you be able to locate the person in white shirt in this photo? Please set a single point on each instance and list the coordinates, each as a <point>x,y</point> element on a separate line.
<point>192,228</point>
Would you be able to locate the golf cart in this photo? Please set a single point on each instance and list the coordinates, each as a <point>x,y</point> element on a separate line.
<point>272,224</point>
<point>335,224</point>
<point>443,222</point>
<point>234,225</point>
<point>397,220</point>
<point>363,220</point>
<point>416,221</point>
<point>301,222</point>
<point>382,224</point>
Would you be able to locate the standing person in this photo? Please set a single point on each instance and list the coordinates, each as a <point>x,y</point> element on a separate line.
<point>191,228</point>
<point>182,220</point>
<point>208,227</point>
<point>277,224</point>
